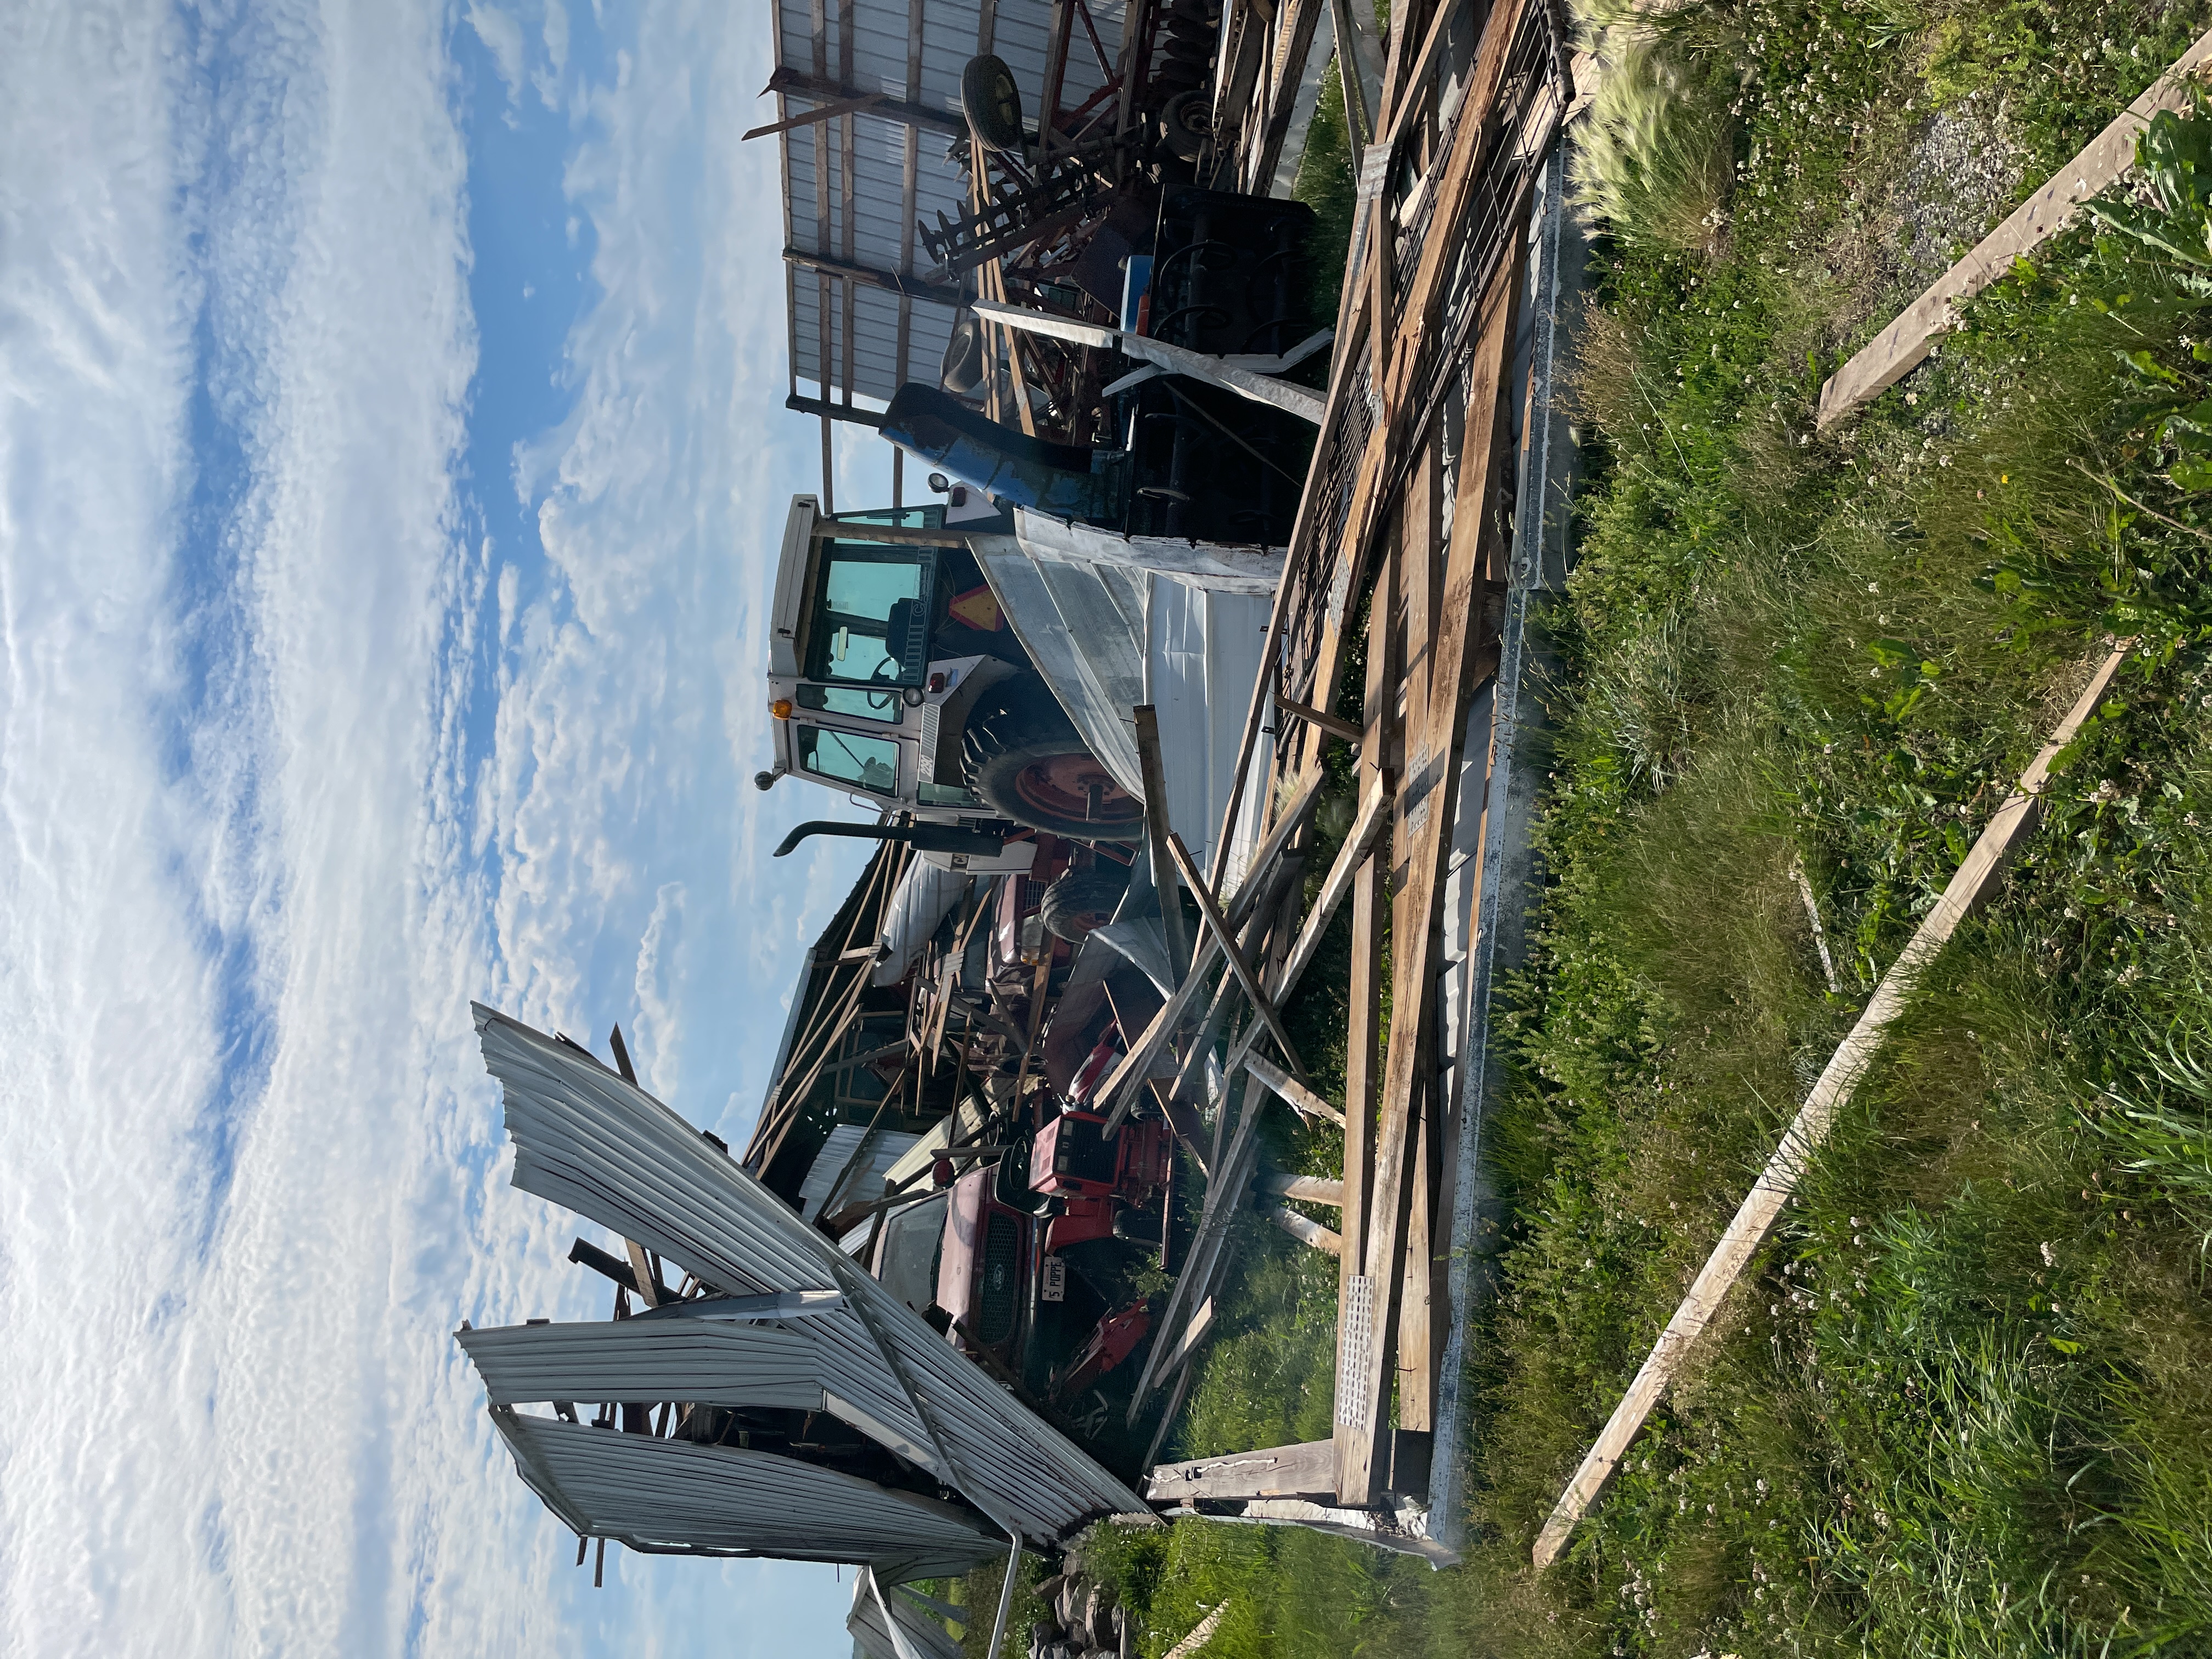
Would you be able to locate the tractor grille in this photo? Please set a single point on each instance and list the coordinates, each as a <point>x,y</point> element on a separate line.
<point>995,1314</point>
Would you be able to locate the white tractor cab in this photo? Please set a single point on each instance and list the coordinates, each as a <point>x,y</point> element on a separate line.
<point>895,677</point>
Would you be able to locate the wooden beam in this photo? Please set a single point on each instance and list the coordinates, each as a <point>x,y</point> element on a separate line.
<point>1331,724</point>
<point>1055,70</point>
<point>1299,1471</point>
<point>1210,1246</point>
<point>1343,871</point>
<point>1416,1345</point>
<point>792,83</point>
<point>1762,1207</point>
<point>1904,344</point>
<point>650,1289</point>
<point>1186,1345</point>
<point>1420,531</point>
<point>890,282</point>
<point>1152,773</point>
<point>1307,1189</point>
<point>1119,1088</point>
<point>1431,767</point>
<point>829,111</point>
<point>1305,1230</point>
<point>1217,925</point>
<point>1168,1413</point>
<point>799,403</point>
<point>1295,1094</point>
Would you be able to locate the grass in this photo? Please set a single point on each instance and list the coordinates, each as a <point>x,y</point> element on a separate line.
<point>1959,1407</point>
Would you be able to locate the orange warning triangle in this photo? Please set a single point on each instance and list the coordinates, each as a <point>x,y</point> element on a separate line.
<point>978,608</point>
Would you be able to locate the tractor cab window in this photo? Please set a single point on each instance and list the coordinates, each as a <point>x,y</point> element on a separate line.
<point>870,625</point>
<point>853,700</point>
<point>913,1248</point>
<point>849,758</point>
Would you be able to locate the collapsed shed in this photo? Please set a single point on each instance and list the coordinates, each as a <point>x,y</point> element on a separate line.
<point>934,1463</point>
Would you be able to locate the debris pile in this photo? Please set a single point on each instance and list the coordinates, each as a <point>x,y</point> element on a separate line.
<point>1086,1622</point>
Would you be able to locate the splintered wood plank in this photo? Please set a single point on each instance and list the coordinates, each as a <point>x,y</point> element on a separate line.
<point>1762,1207</point>
<point>1431,764</point>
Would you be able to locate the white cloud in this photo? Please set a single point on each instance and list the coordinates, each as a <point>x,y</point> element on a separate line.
<point>555,35</point>
<point>502,38</point>
<point>253,854</point>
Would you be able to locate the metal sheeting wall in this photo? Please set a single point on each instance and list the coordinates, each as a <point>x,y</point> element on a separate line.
<point>917,1637</point>
<point>585,1138</point>
<point>863,213</point>
<point>697,1359</point>
<point>1107,637</point>
<point>670,1494</point>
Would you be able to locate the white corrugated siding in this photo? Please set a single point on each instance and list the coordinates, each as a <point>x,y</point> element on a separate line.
<point>602,1148</point>
<point>697,1359</point>
<point>671,1493</point>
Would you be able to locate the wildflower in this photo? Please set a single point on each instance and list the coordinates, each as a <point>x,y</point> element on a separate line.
<point>2049,1256</point>
<point>1912,400</point>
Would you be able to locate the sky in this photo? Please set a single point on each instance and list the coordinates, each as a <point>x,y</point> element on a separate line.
<point>392,466</point>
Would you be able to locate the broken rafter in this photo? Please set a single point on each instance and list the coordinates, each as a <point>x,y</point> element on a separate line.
<point>1225,941</point>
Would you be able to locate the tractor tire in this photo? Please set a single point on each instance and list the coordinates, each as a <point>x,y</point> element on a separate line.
<point>1082,899</point>
<point>1187,124</point>
<point>992,102</point>
<point>962,371</point>
<point>1026,761</point>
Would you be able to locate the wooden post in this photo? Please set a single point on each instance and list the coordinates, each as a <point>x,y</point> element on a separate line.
<point>1762,1207</point>
<point>1153,774</point>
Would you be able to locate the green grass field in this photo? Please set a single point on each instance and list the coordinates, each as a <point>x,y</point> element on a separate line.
<point>1961,1406</point>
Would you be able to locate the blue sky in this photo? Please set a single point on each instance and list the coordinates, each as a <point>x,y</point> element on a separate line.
<point>392,462</point>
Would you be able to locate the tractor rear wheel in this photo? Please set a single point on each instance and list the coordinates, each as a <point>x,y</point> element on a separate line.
<point>1082,899</point>
<point>1026,761</point>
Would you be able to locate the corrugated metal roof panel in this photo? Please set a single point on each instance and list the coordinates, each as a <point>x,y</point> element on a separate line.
<point>920,1636</point>
<point>673,1494</point>
<point>874,197</point>
<point>706,1361</point>
<point>586,1138</point>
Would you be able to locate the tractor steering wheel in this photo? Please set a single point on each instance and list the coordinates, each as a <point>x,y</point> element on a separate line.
<point>883,699</point>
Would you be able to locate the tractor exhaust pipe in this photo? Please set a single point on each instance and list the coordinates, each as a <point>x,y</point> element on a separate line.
<point>925,837</point>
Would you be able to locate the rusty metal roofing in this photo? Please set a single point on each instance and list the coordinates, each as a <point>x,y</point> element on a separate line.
<point>586,1138</point>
